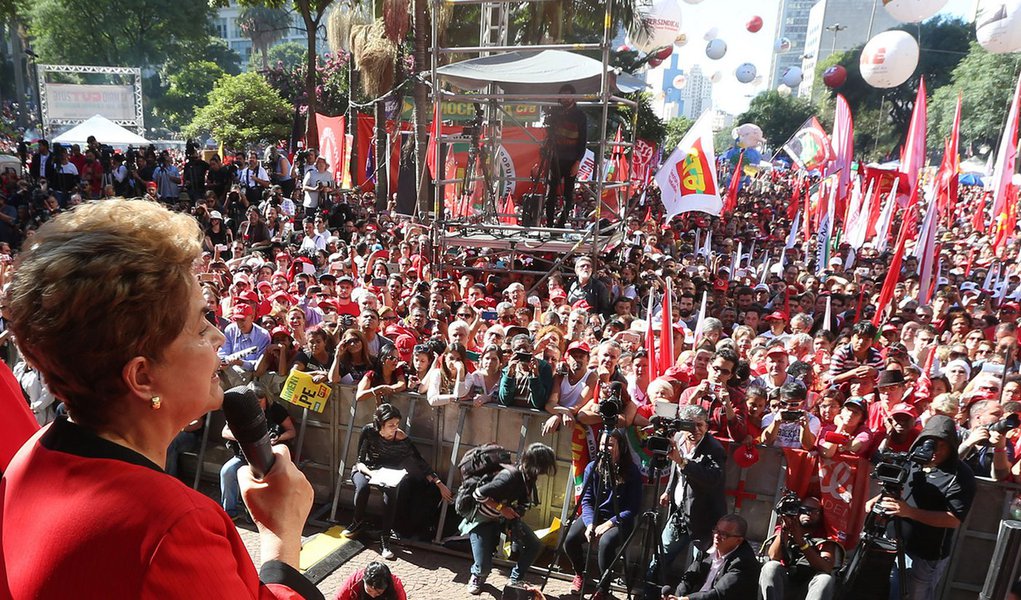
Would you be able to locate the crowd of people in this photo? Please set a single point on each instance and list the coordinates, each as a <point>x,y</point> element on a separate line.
<point>768,347</point>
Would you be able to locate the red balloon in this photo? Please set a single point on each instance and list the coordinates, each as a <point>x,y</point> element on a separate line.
<point>665,53</point>
<point>755,24</point>
<point>655,62</point>
<point>834,76</point>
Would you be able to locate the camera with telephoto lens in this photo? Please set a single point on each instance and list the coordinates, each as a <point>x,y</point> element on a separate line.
<point>610,408</point>
<point>1012,421</point>
<point>892,469</point>
<point>789,505</point>
<point>663,431</point>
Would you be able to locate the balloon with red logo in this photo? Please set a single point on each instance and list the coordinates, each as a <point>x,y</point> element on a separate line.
<point>834,76</point>
<point>754,24</point>
<point>889,59</point>
<point>665,52</point>
<point>655,62</point>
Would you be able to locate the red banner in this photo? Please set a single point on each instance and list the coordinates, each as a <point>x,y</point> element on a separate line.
<point>332,144</point>
<point>842,485</point>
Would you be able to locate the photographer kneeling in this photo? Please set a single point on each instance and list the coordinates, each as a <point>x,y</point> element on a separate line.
<point>801,559</point>
<point>937,495</point>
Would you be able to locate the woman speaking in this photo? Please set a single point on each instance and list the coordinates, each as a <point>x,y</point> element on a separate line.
<point>106,306</point>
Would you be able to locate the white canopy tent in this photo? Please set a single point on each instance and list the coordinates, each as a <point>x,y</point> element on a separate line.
<point>105,130</point>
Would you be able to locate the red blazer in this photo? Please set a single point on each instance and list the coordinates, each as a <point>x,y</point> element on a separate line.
<point>83,517</point>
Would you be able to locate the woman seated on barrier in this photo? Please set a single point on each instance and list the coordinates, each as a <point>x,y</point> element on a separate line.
<point>386,379</point>
<point>383,445</point>
<point>608,524</point>
<point>446,382</point>
<point>317,356</point>
<point>374,581</point>
<point>848,434</point>
<point>352,360</point>
<point>483,383</point>
<point>281,429</point>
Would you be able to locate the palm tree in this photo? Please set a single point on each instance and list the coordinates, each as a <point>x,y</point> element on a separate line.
<point>264,26</point>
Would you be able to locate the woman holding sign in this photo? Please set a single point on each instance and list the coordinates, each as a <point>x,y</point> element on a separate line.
<point>382,449</point>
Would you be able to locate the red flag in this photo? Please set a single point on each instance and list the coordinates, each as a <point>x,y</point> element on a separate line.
<point>430,149</point>
<point>730,204</point>
<point>1006,156</point>
<point>893,274</point>
<point>1007,220</point>
<point>978,220</point>
<point>858,307</point>
<point>792,208</point>
<point>666,331</point>
<point>971,257</point>
<point>946,178</point>
<point>912,158</point>
<point>508,211</point>
<point>787,301</point>
<point>843,150</point>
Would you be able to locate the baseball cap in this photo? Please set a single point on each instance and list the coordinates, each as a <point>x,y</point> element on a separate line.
<point>242,311</point>
<point>776,316</point>
<point>579,346</point>
<point>857,402</point>
<point>903,408</point>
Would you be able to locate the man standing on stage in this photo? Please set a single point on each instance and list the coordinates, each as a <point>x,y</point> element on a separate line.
<point>567,127</point>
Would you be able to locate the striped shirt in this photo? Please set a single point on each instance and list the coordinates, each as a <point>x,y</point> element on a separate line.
<point>844,360</point>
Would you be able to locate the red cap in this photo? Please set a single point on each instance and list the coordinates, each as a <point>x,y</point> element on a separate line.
<point>557,293</point>
<point>264,285</point>
<point>904,408</point>
<point>241,311</point>
<point>579,346</point>
<point>746,456</point>
<point>280,330</point>
<point>248,295</point>
<point>776,349</point>
<point>281,296</point>
<point>582,304</point>
<point>776,316</point>
<point>674,373</point>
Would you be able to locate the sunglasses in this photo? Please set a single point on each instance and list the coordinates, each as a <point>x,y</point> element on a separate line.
<point>352,342</point>
<point>723,535</point>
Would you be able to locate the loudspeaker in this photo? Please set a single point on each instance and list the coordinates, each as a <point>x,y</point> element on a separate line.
<point>531,205</point>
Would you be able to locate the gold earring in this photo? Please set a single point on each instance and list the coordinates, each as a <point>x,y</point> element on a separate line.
<point>155,403</point>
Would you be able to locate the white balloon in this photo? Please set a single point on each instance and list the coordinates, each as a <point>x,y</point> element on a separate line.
<point>716,49</point>
<point>913,11</point>
<point>711,34</point>
<point>758,80</point>
<point>783,90</point>
<point>998,25</point>
<point>793,77</point>
<point>662,19</point>
<point>782,45</point>
<point>716,77</point>
<point>681,40</point>
<point>745,73</point>
<point>680,82</point>
<point>889,59</point>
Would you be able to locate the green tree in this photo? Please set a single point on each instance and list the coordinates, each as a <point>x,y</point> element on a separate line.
<point>779,116</point>
<point>188,89</point>
<point>986,82</point>
<point>264,26</point>
<point>242,110</point>
<point>675,130</point>
<point>287,55</point>
<point>116,33</point>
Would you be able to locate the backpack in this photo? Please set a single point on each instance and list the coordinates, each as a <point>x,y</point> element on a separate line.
<point>478,467</point>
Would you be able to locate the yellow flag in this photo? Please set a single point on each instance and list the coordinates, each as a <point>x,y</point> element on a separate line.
<point>300,390</point>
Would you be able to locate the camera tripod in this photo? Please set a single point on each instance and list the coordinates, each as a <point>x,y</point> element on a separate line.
<point>605,470</point>
<point>873,553</point>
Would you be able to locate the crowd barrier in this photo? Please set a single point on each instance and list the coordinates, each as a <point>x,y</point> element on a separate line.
<point>326,448</point>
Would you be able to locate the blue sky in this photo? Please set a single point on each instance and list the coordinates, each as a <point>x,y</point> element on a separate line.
<point>730,16</point>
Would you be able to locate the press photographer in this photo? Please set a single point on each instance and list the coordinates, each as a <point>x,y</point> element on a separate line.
<point>801,558</point>
<point>985,449</point>
<point>934,501</point>
<point>724,405</point>
<point>694,494</point>
<point>791,426</point>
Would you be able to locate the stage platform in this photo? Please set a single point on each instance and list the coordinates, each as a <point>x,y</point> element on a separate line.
<point>527,239</point>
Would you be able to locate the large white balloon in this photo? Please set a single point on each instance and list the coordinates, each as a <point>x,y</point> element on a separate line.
<point>662,19</point>
<point>998,25</point>
<point>889,59</point>
<point>793,77</point>
<point>783,90</point>
<point>711,33</point>
<point>913,11</point>
<point>745,72</point>
<point>716,49</point>
<point>680,82</point>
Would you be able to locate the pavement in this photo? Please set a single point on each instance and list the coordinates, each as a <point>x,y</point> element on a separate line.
<point>425,572</point>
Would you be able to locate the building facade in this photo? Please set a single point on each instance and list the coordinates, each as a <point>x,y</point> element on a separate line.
<point>225,26</point>
<point>791,23</point>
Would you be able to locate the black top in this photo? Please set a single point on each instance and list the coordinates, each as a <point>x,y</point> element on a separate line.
<point>738,579</point>
<point>376,452</point>
<point>509,487</point>
<point>948,487</point>
<point>570,129</point>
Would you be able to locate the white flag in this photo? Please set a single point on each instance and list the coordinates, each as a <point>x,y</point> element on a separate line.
<point>688,177</point>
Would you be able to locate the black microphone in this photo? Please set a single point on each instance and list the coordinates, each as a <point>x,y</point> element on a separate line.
<point>247,421</point>
<point>666,591</point>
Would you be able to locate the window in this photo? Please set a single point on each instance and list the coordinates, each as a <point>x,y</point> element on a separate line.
<point>220,26</point>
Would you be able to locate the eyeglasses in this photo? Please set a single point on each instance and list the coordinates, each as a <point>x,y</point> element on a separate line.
<point>466,315</point>
<point>421,348</point>
<point>723,535</point>
<point>352,342</point>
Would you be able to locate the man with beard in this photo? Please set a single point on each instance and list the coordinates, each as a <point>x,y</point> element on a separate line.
<point>801,558</point>
<point>724,404</point>
<point>569,381</point>
<point>588,288</point>
<point>686,305</point>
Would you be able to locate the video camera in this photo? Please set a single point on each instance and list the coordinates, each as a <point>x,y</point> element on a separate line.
<point>665,425</point>
<point>789,505</point>
<point>892,469</point>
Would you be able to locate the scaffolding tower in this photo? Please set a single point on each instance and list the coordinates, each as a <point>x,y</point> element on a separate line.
<point>485,229</point>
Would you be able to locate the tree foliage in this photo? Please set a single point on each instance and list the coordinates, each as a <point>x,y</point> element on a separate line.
<point>264,26</point>
<point>986,82</point>
<point>675,130</point>
<point>287,55</point>
<point>116,33</point>
<point>779,116</point>
<point>188,89</point>
<point>243,110</point>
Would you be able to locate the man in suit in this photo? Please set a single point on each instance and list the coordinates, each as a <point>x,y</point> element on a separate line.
<point>729,571</point>
<point>44,164</point>
<point>694,494</point>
